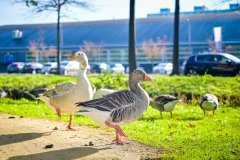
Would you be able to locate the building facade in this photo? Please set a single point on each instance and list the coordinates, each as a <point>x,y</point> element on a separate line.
<point>107,41</point>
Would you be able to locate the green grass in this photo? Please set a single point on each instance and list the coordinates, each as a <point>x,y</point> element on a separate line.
<point>189,135</point>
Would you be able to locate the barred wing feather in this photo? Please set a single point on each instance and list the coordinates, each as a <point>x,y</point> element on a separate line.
<point>165,99</point>
<point>112,101</point>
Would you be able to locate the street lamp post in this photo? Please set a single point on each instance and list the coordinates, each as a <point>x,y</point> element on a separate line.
<point>189,33</point>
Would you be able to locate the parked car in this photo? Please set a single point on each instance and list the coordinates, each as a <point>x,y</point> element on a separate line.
<point>163,68</point>
<point>32,67</point>
<point>47,66</point>
<point>69,68</point>
<point>138,67</point>
<point>65,66</point>
<point>99,68</point>
<point>117,68</point>
<point>213,64</point>
<point>15,67</point>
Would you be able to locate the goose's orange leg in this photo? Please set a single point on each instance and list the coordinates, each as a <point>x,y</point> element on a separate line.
<point>70,124</point>
<point>119,132</point>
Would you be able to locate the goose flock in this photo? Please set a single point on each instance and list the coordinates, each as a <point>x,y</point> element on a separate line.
<point>111,108</point>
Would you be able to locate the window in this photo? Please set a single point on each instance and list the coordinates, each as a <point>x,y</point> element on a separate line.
<point>222,59</point>
<point>191,59</point>
<point>203,58</point>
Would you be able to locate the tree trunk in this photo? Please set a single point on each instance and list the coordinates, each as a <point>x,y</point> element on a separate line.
<point>58,39</point>
<point>132,41</point>
<point>176,39</point>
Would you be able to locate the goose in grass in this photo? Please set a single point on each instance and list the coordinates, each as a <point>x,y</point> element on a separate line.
<point>62,98</point>
<point>118,108</point>
<point>209,102</point>
<point>165,103</point>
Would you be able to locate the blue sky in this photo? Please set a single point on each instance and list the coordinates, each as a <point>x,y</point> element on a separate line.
<point>105,10</point>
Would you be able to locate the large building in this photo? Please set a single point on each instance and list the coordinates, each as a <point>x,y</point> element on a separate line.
<point>107,41</point>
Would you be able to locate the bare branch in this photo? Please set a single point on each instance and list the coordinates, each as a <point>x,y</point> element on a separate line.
<point>154,49</point>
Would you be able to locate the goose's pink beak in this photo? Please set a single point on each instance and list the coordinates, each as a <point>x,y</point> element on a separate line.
<point>147,78</point>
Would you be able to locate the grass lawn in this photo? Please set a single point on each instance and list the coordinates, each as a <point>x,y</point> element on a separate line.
<point>189,135</point>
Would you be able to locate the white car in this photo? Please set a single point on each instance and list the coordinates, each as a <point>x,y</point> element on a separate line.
<point>47,66</point>
<point>72,68</point>
<point>117,68</point>
<point>69,68</point>
<point>163,68</point>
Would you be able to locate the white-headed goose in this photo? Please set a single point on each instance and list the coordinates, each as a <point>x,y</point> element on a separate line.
<point>62,98</point>
<point>209,102</point>
<point>121,107</point>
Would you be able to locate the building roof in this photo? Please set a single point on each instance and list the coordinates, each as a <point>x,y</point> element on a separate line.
<point>114,33</point>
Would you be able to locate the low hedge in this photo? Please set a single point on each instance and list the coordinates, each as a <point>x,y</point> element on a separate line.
<point>189,89</point>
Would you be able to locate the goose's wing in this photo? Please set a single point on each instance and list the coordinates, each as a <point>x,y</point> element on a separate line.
<point>57,95</point>
<point>112,101</point>
<point>59,90</point>
<point>65,87</point>
<point>164,99</point>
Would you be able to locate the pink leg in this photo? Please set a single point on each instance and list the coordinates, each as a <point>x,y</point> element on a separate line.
<point>70,124</point>
<point>119,132</point>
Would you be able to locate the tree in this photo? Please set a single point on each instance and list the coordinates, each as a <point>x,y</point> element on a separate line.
<point>38,47</point>
<point>211,46</point>
<point>154,49</point>
<point>56,6</point>
<point>132,37</point>
<point>176,39</point>
<point>91,49</point>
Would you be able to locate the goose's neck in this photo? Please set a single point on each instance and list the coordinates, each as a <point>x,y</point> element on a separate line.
<point>138,90</point>
<point>135,87</point>
<point>82,76</point>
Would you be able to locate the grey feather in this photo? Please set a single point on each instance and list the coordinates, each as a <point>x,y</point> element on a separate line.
<point>110,101</point>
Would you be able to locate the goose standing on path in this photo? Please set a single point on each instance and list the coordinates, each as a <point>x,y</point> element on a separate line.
<point>62,98</point>
<point>165,103</point>
<point>209,102</point>
<point>121,107</point>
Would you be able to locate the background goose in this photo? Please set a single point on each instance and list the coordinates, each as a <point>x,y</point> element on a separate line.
<point>62,98</point>
<point>165,103</point>
<point>209,102</point>
<point>119,108</point>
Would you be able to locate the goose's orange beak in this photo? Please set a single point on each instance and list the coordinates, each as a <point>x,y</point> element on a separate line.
<point>147,78</point>
<point>72,57</point>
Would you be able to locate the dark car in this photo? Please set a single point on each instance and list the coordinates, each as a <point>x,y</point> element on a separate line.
<point>212,63</point>
<point>15,67</point>
<point>32,68</point>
